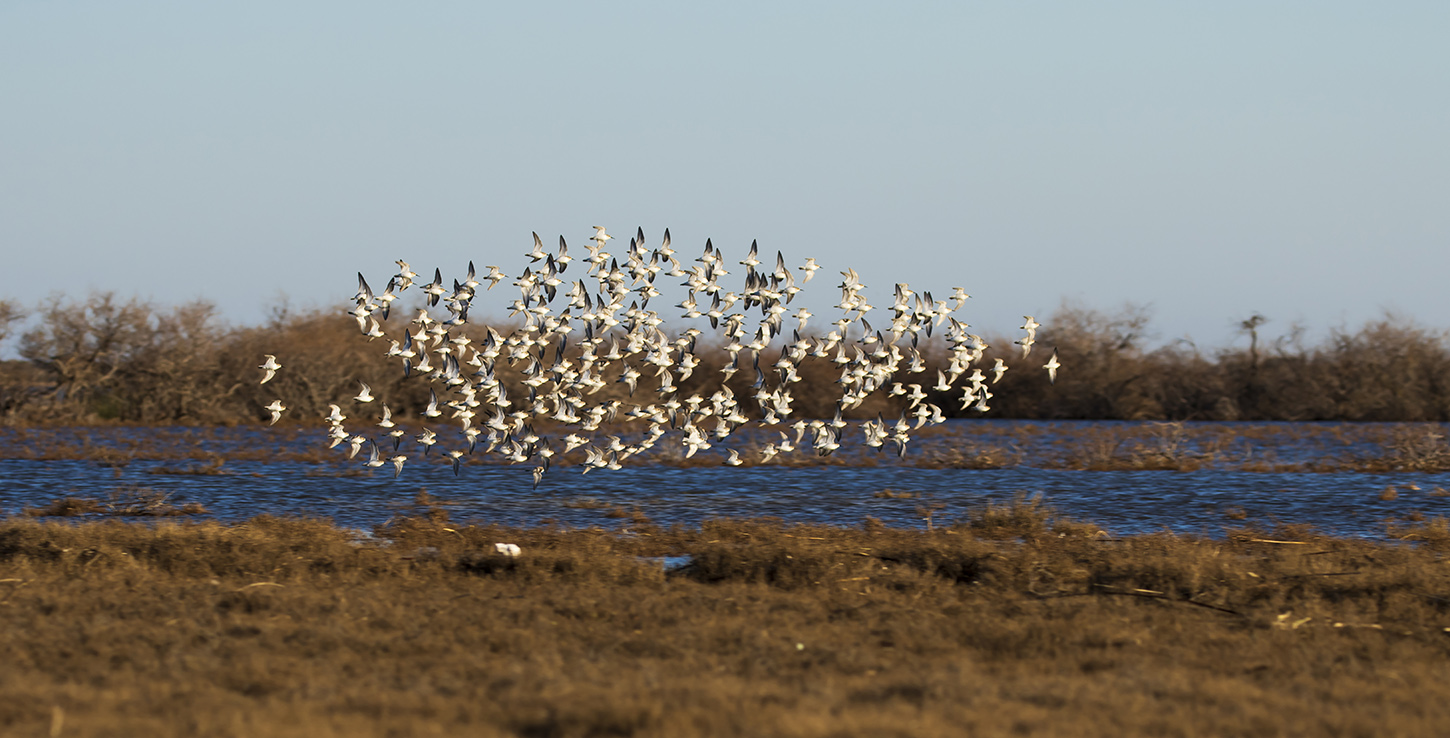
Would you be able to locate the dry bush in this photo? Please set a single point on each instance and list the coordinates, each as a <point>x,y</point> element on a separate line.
<point>103,358</point>
<point>1026,518</point>
<point>1419,448</point>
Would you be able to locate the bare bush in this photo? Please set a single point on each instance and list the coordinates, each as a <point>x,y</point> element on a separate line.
<point>106,358</point>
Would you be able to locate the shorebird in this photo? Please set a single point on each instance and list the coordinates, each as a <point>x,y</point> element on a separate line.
<point>1052,366</point>
<point>427,439</point>
<point>942,385</point>
<point>364,292</point>
<point>599,237</point>
<point>810,270</point>
<point>405,275</point>
<point>271,366</point>
<point>374,459</point>
<point>1026,344</point>
<point>538,253</point>
<point>751,260</point>
<point>276,408</point>
<point>999,369</point>
<point>563,351</point>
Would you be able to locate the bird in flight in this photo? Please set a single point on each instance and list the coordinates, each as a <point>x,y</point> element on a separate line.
<point>609,327</point>
<point>600,237</point>
<point>270,366</point>
<point>998,370</point>
<point>276,408</point>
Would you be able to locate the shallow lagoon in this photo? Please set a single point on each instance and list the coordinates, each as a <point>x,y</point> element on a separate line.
<point>1230,475</point>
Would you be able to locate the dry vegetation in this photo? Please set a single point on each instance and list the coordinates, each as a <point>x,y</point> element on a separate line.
<point>105,359</point>
<point>1012,622</point>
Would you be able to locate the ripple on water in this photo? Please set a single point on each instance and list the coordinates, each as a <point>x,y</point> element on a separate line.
<point>1124,502</point>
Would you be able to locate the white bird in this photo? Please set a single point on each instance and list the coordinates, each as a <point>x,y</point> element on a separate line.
<point>751,260</point>
<point>271,366</point>
<point>942,384</point>
<point>1052,366</point>
<point>560,351</point>
<point>427,438</point>
<point>374,460</point>
<point>998,370</point>
<point>538,252</point>
<point>802,315</point>
<point>916,395</point>
<point>959,297</point>
<point>276,408</point>
<point>374,330</point>
<point>599,237</point>
<point>405,275</point>
<point>1026,344</point>
<point>511,550</point>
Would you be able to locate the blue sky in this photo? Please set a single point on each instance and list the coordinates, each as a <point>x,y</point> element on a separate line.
<point>1208,159</point>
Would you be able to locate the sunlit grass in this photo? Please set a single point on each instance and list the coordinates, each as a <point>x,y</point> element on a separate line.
<point>1014,621</point>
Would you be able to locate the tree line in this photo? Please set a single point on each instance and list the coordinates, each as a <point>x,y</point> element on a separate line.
<point>105,358</point>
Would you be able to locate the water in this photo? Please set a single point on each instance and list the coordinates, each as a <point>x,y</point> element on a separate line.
<point>1206,500</point>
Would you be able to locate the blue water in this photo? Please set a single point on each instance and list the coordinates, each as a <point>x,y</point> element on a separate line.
<point>1123,502</point>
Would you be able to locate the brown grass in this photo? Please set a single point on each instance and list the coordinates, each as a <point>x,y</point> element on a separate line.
<point>1011,623</point>
<point>128,501</point>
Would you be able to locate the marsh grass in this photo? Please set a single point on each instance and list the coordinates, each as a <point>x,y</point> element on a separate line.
<point>127,501</point>
<point>215,467</point>
<point>1010,622</point>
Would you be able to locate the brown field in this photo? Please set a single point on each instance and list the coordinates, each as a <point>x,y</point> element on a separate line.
<point>1010,622</point>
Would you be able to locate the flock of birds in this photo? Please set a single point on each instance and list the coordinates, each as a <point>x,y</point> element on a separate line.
<point>604,311</point>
